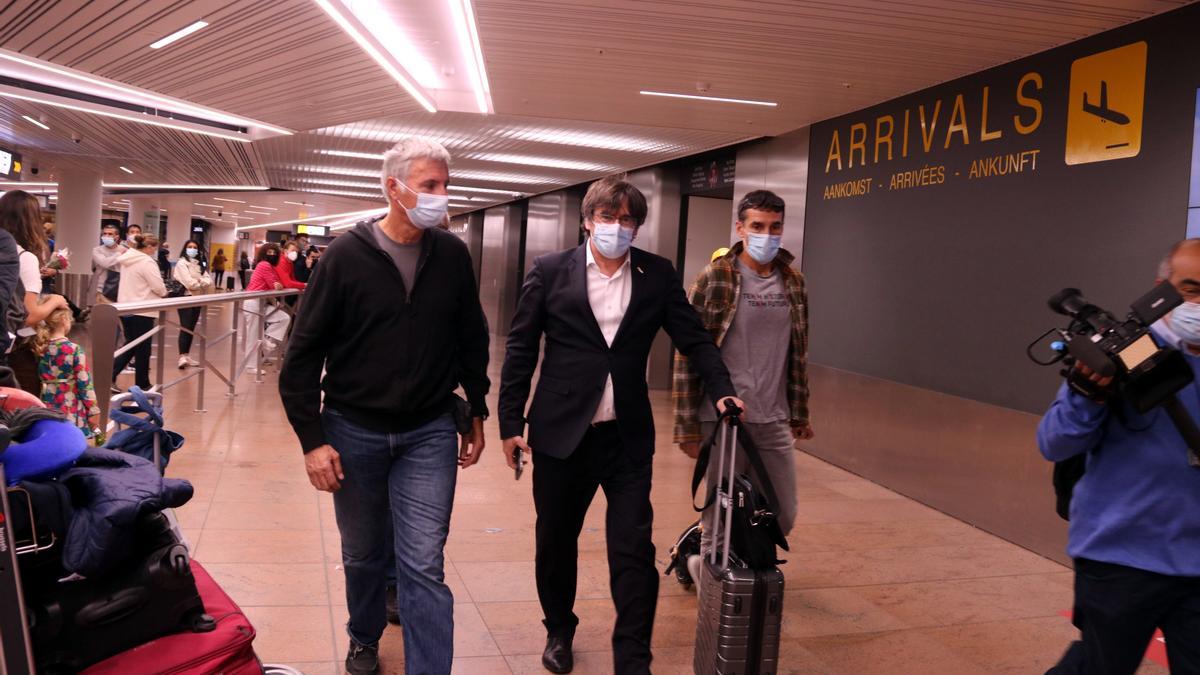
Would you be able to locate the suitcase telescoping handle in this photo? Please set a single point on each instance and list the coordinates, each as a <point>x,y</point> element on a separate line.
<point>727,425</point>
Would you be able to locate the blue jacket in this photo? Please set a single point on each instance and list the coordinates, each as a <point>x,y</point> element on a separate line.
<point>111,490</point>
<point>1138,505</point>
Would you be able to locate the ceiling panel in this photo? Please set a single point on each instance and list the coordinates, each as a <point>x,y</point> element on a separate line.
<point>564,76</point>
<point>279,61</point>
<point>592,58</point>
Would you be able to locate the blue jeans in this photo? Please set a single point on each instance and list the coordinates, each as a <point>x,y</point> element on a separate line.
<point>413,474</point>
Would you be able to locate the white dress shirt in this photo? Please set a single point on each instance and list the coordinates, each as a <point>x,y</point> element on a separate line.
<point>609,298</point>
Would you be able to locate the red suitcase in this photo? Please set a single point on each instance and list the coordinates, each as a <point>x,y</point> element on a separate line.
<point>227,650</point>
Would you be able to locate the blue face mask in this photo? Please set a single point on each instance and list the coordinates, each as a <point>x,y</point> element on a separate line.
<point>192,253</point>
<point>1185,321</point>
<point>612,240</point>
<point>430,210</point>
<point>108,241</point>
<point>763,247</point>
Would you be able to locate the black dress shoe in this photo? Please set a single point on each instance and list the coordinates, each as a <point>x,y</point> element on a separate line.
<point>558,657</point>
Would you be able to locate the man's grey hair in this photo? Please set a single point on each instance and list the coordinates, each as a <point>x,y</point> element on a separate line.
<point>1164,267</point>
<point>397,161</point>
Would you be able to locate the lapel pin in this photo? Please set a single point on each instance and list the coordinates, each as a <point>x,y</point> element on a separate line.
<point>639,269</point>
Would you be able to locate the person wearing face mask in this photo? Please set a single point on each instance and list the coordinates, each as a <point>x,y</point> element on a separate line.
<point>1135,514</point>
<point>140,281</point>
<point>190,271</point>
<point>266,278</point>
<point>286,269</point>
<point>755,306</point>
<point>599,308</point>
<point>106,277</point>
<point>393,318</point>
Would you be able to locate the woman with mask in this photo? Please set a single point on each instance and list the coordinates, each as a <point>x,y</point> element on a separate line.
<point>141,281</point>
<point>266,278</point>
<point>190,271</point>
<point>21,216</point>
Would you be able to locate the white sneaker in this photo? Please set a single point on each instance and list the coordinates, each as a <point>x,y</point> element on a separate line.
<point>191,362</point>
<point>183,362</point>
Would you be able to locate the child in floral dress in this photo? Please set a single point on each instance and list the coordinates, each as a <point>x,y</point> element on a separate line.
<point>65,378</point>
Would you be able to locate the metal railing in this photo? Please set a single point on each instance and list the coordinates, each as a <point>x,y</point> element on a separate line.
<point>105,321</point>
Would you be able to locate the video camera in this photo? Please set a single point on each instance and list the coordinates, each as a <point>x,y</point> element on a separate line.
<point>1144,374</point>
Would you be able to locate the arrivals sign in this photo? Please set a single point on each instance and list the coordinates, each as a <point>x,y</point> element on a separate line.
<point>990,130</point>
<point>949,215</point>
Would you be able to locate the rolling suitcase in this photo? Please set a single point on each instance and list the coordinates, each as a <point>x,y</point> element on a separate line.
<point>74,624</point>
<point>740,608</point>
<point>228,649</point>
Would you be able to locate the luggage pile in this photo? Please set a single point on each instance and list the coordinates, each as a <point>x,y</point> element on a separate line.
<point>107,582</point>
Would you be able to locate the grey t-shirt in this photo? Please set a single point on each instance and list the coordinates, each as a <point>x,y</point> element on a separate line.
<point>405,256</point>
<point>756,347</point>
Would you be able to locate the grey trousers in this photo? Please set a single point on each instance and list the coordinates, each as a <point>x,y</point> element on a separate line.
<point>776,445</point>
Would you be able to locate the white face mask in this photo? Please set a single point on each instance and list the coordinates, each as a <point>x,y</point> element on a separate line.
<point>292,255</point>
<point>192,253</point>
<point>611,240</point>
<point>430,210</point>
<point>1185,321</point>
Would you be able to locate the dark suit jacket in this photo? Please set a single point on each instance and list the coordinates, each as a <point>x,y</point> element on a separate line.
<point>554,303</point>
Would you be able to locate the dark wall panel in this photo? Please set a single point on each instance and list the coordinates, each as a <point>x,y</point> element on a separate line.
<point>937,278</point>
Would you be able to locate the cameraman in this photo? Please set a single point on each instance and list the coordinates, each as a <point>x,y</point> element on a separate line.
<point>1135,514</point>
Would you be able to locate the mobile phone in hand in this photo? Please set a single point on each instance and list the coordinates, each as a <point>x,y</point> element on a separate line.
<point>518,462</point>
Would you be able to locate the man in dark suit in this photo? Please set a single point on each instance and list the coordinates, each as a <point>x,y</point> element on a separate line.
<point>599,307</point>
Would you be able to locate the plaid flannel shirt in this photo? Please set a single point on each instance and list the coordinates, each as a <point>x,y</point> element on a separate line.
<point>714,295</point>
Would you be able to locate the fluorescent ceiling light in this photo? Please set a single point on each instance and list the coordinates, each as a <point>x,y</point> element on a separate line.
<point>167,186</point>
<point>222,199</point>
<point>124,169</point>
<point>463,188</point>
<point>337,11</point>
<point>36,122</point>
<point>18,184</point>
<point>769,104</point>
<point>347,193</point>
<point>215,206</point>
<point>260,213</point>
<point>353,155</point>
<point>468,40</point>
<point>179,35</point>
<point>339,170</point>
<point>239,217</point>
<point>358,214</point>
<point>57,102</point>
<point>351,222</point>
<point>263,208</point>
<point>297,203</point>
<point>551,162</point>
<point>502,177</point>
<point>340,183</point>
<point>97,86</point>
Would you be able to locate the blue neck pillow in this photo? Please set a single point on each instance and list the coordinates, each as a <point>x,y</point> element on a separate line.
<point>47,449</point>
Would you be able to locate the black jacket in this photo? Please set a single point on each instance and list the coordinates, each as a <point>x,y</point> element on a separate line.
<point>392,358</point>
<point>554,302</point>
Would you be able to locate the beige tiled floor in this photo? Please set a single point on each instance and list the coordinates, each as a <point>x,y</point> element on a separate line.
<point>876,583</point>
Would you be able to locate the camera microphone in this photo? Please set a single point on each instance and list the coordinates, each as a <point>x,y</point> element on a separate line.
<point>1068,301</point>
